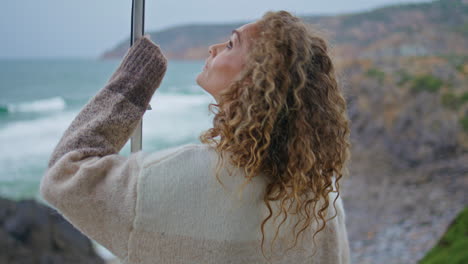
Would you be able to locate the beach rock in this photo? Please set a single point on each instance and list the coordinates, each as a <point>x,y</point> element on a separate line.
<point>34,233</point>
<point>396,215</point>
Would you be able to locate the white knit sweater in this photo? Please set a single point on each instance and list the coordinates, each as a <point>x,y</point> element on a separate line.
<point>167,206</point>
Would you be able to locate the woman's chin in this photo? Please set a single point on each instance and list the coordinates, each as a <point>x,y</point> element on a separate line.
<point>199,79</point>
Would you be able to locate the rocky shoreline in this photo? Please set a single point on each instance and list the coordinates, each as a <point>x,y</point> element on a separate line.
<point>396,215</point>
<point>31,232</point>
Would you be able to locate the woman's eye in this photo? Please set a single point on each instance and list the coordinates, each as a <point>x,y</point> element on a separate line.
<point>229,45</point>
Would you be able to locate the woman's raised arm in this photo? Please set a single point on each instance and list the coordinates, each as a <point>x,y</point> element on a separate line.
<point>87,181</point>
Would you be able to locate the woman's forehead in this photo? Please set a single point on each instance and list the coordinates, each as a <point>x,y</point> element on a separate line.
<point>249,30</point>
<point>248,27</point>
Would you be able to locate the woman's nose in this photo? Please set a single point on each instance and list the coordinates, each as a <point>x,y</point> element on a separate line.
<point>212,50</point>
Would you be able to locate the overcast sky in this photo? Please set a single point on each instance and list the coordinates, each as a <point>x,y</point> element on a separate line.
<point>87,28</point>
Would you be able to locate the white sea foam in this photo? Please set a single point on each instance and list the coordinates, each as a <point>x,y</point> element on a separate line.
<point>172,102</point>
<point>43,105</point>
<point>33,137</point>
<point>176,117</point>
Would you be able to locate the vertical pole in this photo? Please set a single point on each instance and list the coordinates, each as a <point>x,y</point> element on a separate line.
<point>137,31</point>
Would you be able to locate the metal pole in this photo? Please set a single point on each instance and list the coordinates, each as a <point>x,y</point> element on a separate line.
<point>137,31</point>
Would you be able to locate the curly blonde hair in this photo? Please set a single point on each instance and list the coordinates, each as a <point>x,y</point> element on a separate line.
<point>285,117</point>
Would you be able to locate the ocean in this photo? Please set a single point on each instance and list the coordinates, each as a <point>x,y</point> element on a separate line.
<point>39,98</point>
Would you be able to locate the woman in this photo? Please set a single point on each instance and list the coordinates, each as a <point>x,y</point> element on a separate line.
<point>277,147</point>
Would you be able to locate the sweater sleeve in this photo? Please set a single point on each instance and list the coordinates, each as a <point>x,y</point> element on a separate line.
<point>87,181</point>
